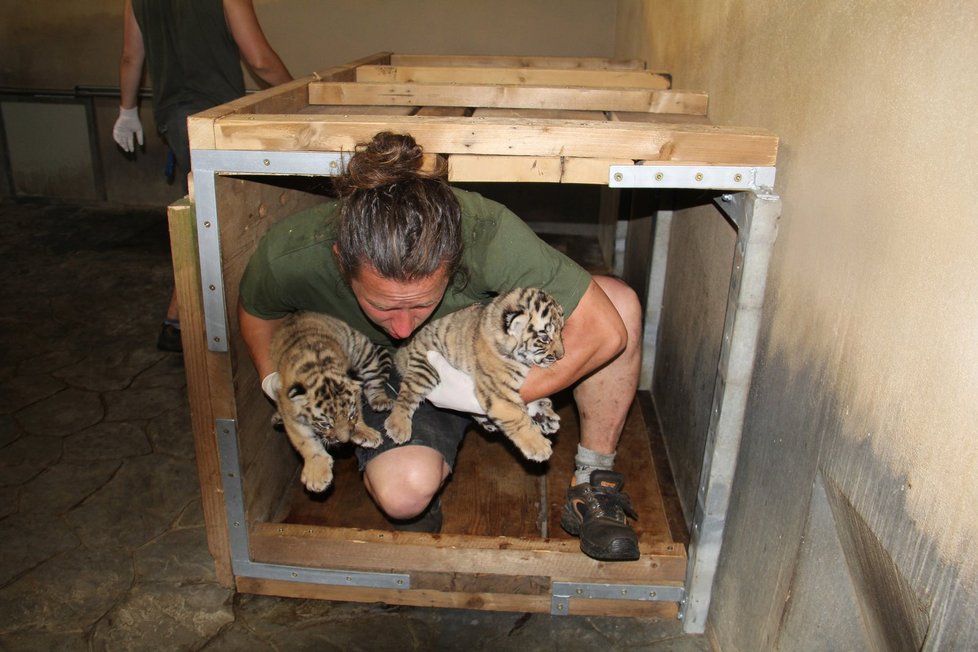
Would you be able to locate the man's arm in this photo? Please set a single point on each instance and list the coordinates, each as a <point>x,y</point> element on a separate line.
<point>257,334</point>
<point>593,335</point>
<point>133,56</point>
<point>254,47</point>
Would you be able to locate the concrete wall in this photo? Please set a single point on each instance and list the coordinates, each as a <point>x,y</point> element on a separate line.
<point>854,513</point>
<point>78,44</point>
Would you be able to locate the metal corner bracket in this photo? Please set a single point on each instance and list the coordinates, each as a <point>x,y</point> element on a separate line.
<point>700,177</point>
<point>241,563</point>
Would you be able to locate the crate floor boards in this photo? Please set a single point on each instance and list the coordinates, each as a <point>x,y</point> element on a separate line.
<point>501,544</point>
<point>494,493</point>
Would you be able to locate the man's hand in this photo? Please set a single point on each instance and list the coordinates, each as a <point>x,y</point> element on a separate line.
<point>455,389</point>
<point>127,125</point>
<point>270,384</point>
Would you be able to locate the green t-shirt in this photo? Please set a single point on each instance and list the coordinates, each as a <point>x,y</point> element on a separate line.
<point>294,268</point>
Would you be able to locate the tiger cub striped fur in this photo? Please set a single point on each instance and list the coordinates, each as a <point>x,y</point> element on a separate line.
<point>318,400</point>
<point>496,344</point>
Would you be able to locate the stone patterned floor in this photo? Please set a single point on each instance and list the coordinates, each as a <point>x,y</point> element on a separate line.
<point>101,531</point>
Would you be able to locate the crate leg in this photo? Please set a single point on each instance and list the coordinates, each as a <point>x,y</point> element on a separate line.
<point>755,215</point>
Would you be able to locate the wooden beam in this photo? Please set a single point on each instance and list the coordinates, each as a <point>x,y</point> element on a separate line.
<point>508,96</point>
<point>514,75</point>
<point>467,556</point>
<point>290,97</point>
<point>665,143</point>
<point>525,169</point>
<point>504,61</point>
<point>457,599</point>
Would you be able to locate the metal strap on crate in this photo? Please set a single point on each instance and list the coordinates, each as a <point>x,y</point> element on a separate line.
<point>562,592</point>
<point>241,563</point>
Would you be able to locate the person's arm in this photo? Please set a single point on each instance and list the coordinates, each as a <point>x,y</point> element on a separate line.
<point>127,125</point>
<point>257,334</point>
<point>593,334</point>
<point>254,47</point>
<point>133,56</point>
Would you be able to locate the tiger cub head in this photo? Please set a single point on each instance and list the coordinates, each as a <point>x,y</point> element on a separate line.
<point>532,322</point>
<point>329,404</point>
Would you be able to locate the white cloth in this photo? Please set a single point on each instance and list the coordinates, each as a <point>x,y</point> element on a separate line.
<point>455,389</point>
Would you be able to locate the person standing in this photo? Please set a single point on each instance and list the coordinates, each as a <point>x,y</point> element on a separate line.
<point>193,50</point>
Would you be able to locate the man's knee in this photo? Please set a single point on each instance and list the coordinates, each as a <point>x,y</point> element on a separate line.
<point>403,490</point>
<point>626,302</point>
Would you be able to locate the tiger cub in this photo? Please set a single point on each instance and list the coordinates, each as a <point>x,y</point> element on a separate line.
<point>496,344</point>
<point>318,400</point>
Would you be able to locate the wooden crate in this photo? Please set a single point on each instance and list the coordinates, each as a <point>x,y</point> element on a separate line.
<point>508,119</point>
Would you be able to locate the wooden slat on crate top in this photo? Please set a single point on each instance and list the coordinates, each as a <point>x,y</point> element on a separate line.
<point>516,75</point>
<point>509,96</point>
<point>290,97</point>
<point>665,143</point>
<point>511,61</point>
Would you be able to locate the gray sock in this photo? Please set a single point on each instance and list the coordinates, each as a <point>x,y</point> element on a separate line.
<point>588,460</point>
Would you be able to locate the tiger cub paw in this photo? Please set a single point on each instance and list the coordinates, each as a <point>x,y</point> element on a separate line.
<point>380,401</point>
<point>317,473</point>
<point>542,413</point>
<point>535,447</point>
<point>398,425</point>
<point>364,435</point>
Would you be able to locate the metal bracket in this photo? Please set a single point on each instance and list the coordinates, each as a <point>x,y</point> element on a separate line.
<point>207,165</point>
<point>241,563</point>
<point>562,592</point>
<point>703,177</point>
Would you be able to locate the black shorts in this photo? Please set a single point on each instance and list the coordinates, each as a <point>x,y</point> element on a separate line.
<point>433,427</point>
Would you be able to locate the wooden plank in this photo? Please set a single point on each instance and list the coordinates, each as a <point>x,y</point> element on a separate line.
<point>508,96</point>
<point>457,600</point>
<point>472,557</point>
<point>507,61</point>
<point>493,491</point>
<point>514,75</point>
<point>589,170</point>
<point>290,97</point>
<point>526,169</point>
<point>197,362</point>
<point>663,142</point>
<point>541,114</point>
<point>326,109</point>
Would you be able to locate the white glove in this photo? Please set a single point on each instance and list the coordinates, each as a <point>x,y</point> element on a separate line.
<point>455,389</point>
<point>270,384</point>
<point>126,125</point>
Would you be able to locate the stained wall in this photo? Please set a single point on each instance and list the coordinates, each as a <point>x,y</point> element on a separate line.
<point>853,516</point>
<point>69,44</point>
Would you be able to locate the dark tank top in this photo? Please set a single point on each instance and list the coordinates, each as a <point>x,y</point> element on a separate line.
<point>192,57</point>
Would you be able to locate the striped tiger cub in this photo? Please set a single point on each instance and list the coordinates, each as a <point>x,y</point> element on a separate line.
<point>496,344</point>
<point>318,400</point>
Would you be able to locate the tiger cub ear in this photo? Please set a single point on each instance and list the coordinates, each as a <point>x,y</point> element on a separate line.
<point>515,321</point>
<point>297,392</point>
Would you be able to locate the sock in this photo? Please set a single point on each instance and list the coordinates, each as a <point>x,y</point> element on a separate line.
<point>588,460</point>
